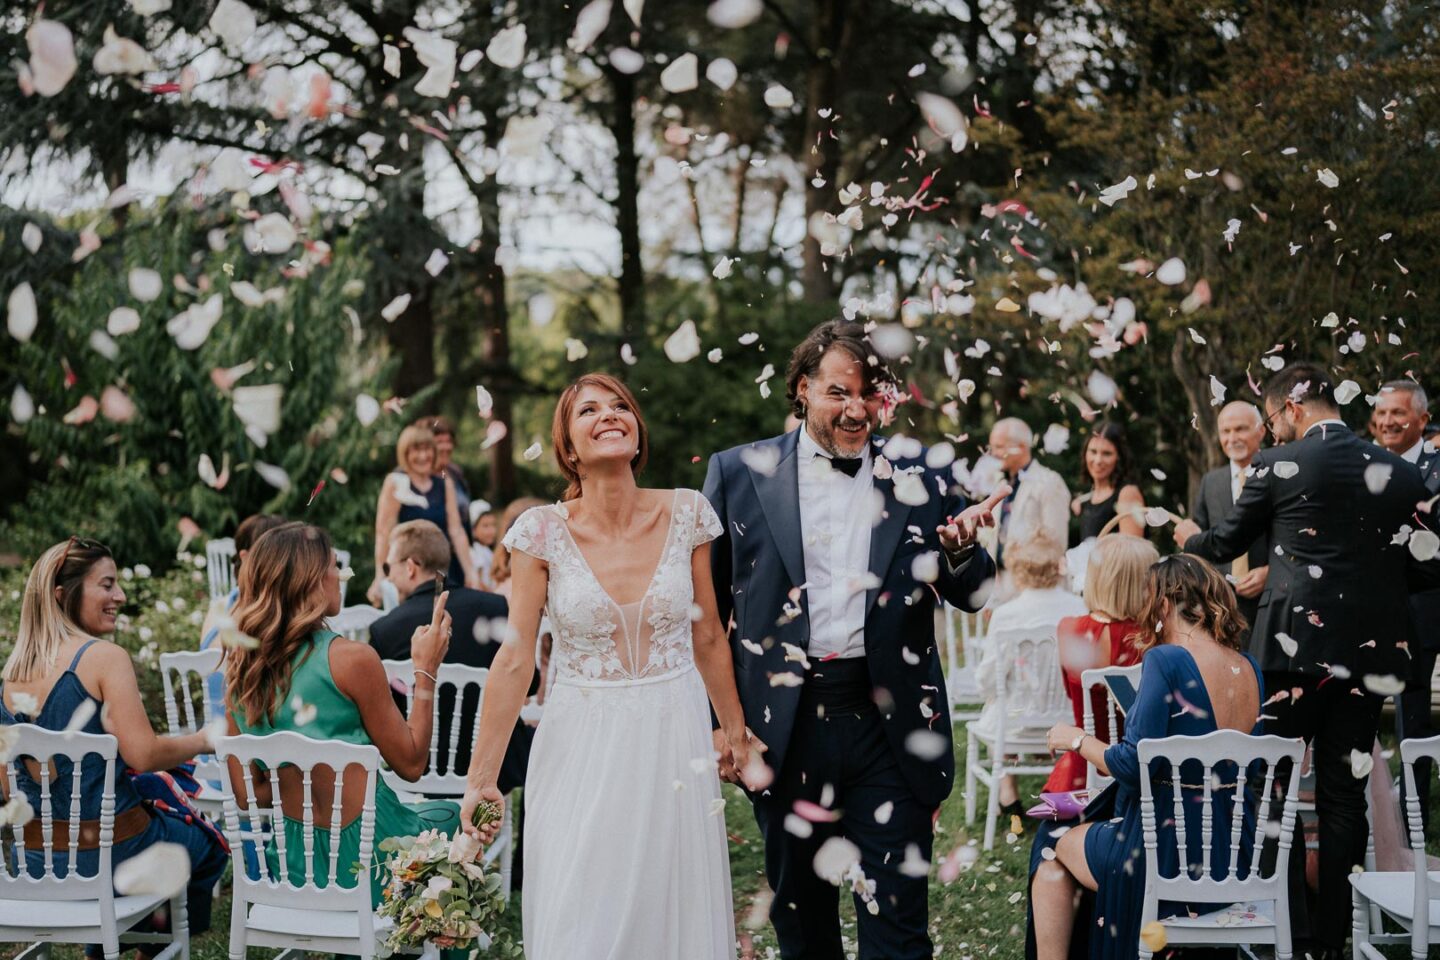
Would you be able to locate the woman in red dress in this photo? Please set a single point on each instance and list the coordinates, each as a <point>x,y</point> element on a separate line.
<point>1114,590</point>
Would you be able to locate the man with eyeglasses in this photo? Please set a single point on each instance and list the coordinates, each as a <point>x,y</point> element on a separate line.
<point>1039,501</point>
<point>1333,623</point>
<point>419,551</point>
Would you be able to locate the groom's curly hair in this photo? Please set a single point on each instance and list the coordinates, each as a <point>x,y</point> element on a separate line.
<point>847,335</point>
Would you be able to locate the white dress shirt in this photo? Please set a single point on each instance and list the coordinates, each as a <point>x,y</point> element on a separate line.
<point>1413,454</point>
<point>1237,480</point>
<point>836,516</point>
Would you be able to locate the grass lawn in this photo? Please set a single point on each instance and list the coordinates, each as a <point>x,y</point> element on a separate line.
<point>980,915</point>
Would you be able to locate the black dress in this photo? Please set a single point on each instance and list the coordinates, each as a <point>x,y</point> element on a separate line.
<point>1095,514</point>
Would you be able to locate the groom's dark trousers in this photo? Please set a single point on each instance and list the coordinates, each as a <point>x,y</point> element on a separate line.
<point>867,739</point>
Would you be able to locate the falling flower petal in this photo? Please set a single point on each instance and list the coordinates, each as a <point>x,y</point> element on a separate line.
<point>1327,176</point>
<point>436,262</point>
<point>367,409</point>
<point>1361,764</point>
<point>1287,643</point>
<point>273,233</point>
<point>681,75</point>
<point>191,327</point>
<point>1423,545</point>
<point>22,406</point>
<point>273,475</point>
<point>1171,272</point>
<point>52,57</point>
<point>233,23</point>
<point>591,22</point>
<point>22,316</point>
<point>779,97</point>
<point>507,48</point>
<point>1285,469</point>
<point>532,452</point>
<point>437,55</point>
<point>116,406</point>
<point>31,237</point>
<point>722,72</point>
<point>575,349</point>
<point>1377,476</point>
<point>124,56</point>
<point>683,345</point>
<point>395,307</point>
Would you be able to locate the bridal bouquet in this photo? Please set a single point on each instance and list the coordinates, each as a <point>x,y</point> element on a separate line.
<point>440,896</point>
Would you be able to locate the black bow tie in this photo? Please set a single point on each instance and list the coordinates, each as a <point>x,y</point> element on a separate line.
<point>848,466</point>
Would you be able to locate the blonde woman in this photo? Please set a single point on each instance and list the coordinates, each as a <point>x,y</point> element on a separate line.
<point>419,491</point>
<point>303,677</point>
<point>63,675</point>
<point>1103,636</point>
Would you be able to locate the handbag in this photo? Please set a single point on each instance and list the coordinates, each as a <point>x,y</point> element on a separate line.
<point>1064,805</point>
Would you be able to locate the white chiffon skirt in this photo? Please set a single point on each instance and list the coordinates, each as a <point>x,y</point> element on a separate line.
<point>625,847</point>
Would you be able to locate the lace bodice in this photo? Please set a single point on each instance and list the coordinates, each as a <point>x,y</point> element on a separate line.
<point>597,639</point>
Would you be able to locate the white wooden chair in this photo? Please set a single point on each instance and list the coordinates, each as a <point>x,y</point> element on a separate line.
<point>963,636</point>
<point>72,908</point>
<point>220,566</point>
<point>1089,680</point>
<point>1029,699</point>
<point>441,778</point>
<point>1256,907</point>
<point>342,559</point>
<point>1401,896</point>
<point>354,622</point>
<point>189,706</point>
<point>317,914</point>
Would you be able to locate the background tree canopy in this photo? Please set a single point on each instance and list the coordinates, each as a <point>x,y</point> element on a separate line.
<point>346,214</point>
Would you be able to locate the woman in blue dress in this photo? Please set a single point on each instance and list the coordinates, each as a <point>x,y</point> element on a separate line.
<point>1087,879</point>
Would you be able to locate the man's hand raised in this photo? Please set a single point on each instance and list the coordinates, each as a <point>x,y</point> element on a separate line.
<point>957,533</point>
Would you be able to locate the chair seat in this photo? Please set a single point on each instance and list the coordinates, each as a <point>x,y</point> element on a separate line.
<point>311,924</point>
<point>68,914</point>
<point>1235,915</point>
<point>1395,893</point>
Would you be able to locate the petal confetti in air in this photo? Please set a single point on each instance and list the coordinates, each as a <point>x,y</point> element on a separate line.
<point>121,55</point>
<point>734,14</point>
<point>682,75</point>
<point>683,345</point>
<point>233,22</point>
<point>52,57</point>
<point>1423,545</point>
<point>1285,469</point>
<point>22,316</point>
<point>507,48</point>
<point>1171,272</point>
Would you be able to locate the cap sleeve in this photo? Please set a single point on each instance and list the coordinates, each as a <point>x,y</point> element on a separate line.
<point>532,533</point>
<point>707,524</point>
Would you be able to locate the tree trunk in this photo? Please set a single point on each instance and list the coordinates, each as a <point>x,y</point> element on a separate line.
<point>822,154</point>
<point>1196,450</point>
<point>627,206</point>
<point>412,337</point>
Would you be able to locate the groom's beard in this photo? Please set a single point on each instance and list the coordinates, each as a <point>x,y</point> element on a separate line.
<point>843,438</point>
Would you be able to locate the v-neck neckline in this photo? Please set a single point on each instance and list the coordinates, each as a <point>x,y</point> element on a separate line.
<point>654,574</point>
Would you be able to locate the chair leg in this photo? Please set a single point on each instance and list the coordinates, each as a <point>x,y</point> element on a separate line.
<point>1360,924</point>
<point>972,760</point>
<point>992,802</point>
<point>238,917</point>
<point>180,923</point>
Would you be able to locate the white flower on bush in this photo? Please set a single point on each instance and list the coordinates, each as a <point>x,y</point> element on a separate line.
<point>146,633</point>
<point>142,571</point>
<point>161,606</point>
<point>178,603</point>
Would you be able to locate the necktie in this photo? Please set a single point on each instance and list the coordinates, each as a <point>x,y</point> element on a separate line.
<point>1241,564</point>
<point>849,466</point>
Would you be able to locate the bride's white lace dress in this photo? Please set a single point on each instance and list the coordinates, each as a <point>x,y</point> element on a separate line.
<point>625,846</point>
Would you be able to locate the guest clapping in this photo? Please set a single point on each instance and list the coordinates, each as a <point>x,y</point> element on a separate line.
<point>418,490</point>
<point>1195,681</point>
<point>62,675</point>
<point>1106,468</point>
<point>304,677</point>
<point>1104,636</point>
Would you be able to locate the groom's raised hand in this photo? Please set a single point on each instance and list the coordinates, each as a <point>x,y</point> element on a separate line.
<point>957,533</point>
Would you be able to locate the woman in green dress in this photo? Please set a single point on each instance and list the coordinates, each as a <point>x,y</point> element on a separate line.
<point>300,676</point>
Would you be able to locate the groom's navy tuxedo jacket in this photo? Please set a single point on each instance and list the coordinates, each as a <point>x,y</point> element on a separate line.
<point>758,564</point>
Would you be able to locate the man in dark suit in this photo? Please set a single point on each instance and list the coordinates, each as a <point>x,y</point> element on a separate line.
<point>418,551</point>
<point>1402,413</point>
<point>837,545</point>
<point>1334,612</point>
<point>1242,429</point>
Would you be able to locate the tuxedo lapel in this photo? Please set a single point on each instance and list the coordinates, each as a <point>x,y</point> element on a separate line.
<point>887,534</point>
<point>779,495</point>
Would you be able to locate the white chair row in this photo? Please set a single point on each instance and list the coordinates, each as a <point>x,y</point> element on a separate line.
<point>963,634</point>
<point>220,567</point>
<point>72,908</point>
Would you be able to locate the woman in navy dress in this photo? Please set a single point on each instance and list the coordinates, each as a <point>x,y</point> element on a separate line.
<point>1087,879</point>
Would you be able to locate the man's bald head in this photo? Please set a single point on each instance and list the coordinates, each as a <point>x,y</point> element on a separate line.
<point>1242,428</point>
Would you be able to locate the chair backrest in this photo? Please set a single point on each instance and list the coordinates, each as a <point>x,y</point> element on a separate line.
<point>37,748</point>
<point>1201,767</point>
<point>354,622</point>
<point>185,675</point>
<point>1410,751</point>
<point>389,596</point>
<point>1028,679</point>
<point>220,566</point>
<point>440,777</point>
<point>319,884</point>
<point>1089,680</point>
<point>342,557</point>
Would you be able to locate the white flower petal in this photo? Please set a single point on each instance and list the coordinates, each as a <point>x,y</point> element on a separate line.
<point>1171,272</point>
<point>681,75</point>
<point>233,22</point>
<point>507,48</point>
<point>22,316</point>
<point>52,57</point>
<point>683,345</point>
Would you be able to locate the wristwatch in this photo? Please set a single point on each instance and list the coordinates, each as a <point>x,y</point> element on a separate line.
<point>1075,744</point>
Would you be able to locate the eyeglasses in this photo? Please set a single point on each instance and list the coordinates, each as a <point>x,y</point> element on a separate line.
<point>1267,423</point>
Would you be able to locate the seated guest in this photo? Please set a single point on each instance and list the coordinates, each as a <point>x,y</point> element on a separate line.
<point>1104,636</point>
<point>1192,636</point>
<point>500,571</point>
<point>418,553</point>
<point>246,534</point>
<point>1039,604</point>
<point>419,490</point>
<point>1106,473</point>
<point>303,677</point>
<point>60,669</point>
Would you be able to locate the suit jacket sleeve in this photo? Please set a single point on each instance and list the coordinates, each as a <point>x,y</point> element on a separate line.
<point>1201,511</point>
<point>962,588</point>
<point>1250,520</point>
<point>720,547</point>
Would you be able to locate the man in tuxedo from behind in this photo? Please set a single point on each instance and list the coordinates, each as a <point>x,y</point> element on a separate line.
<point>1334,613</point>
<point>836,546</point>
<point>418,551</point>
<point>1242,429</point>
<point>1402,412</point>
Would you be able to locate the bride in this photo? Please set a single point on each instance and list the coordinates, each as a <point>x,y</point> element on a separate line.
<point>625,846</point>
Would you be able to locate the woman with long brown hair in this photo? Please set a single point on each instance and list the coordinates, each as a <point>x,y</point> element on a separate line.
<point>624,574</point>
<point>1106,468</point>
<point>1197,679</point>
<point>63,675</point>
<point>296,674</point>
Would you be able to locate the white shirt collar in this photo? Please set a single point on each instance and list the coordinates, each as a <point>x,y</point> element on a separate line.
<point>1330,422</point>
<point>808,449</point>
<point>1236,469</point>
<point>1413,454</point>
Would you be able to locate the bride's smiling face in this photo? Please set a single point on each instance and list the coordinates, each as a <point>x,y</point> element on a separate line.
<point>602,428</point>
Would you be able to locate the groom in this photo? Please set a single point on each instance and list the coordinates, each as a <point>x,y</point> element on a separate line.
<point>835,549</point>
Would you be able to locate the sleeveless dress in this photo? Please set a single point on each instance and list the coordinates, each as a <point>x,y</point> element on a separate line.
<point>434,511</point>
<point>338,718</point>
<point>1076,633</point>
<point>207,856</point>
<point>1172,701</point>
<point>1094,515</point>
<point>625,846</point>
